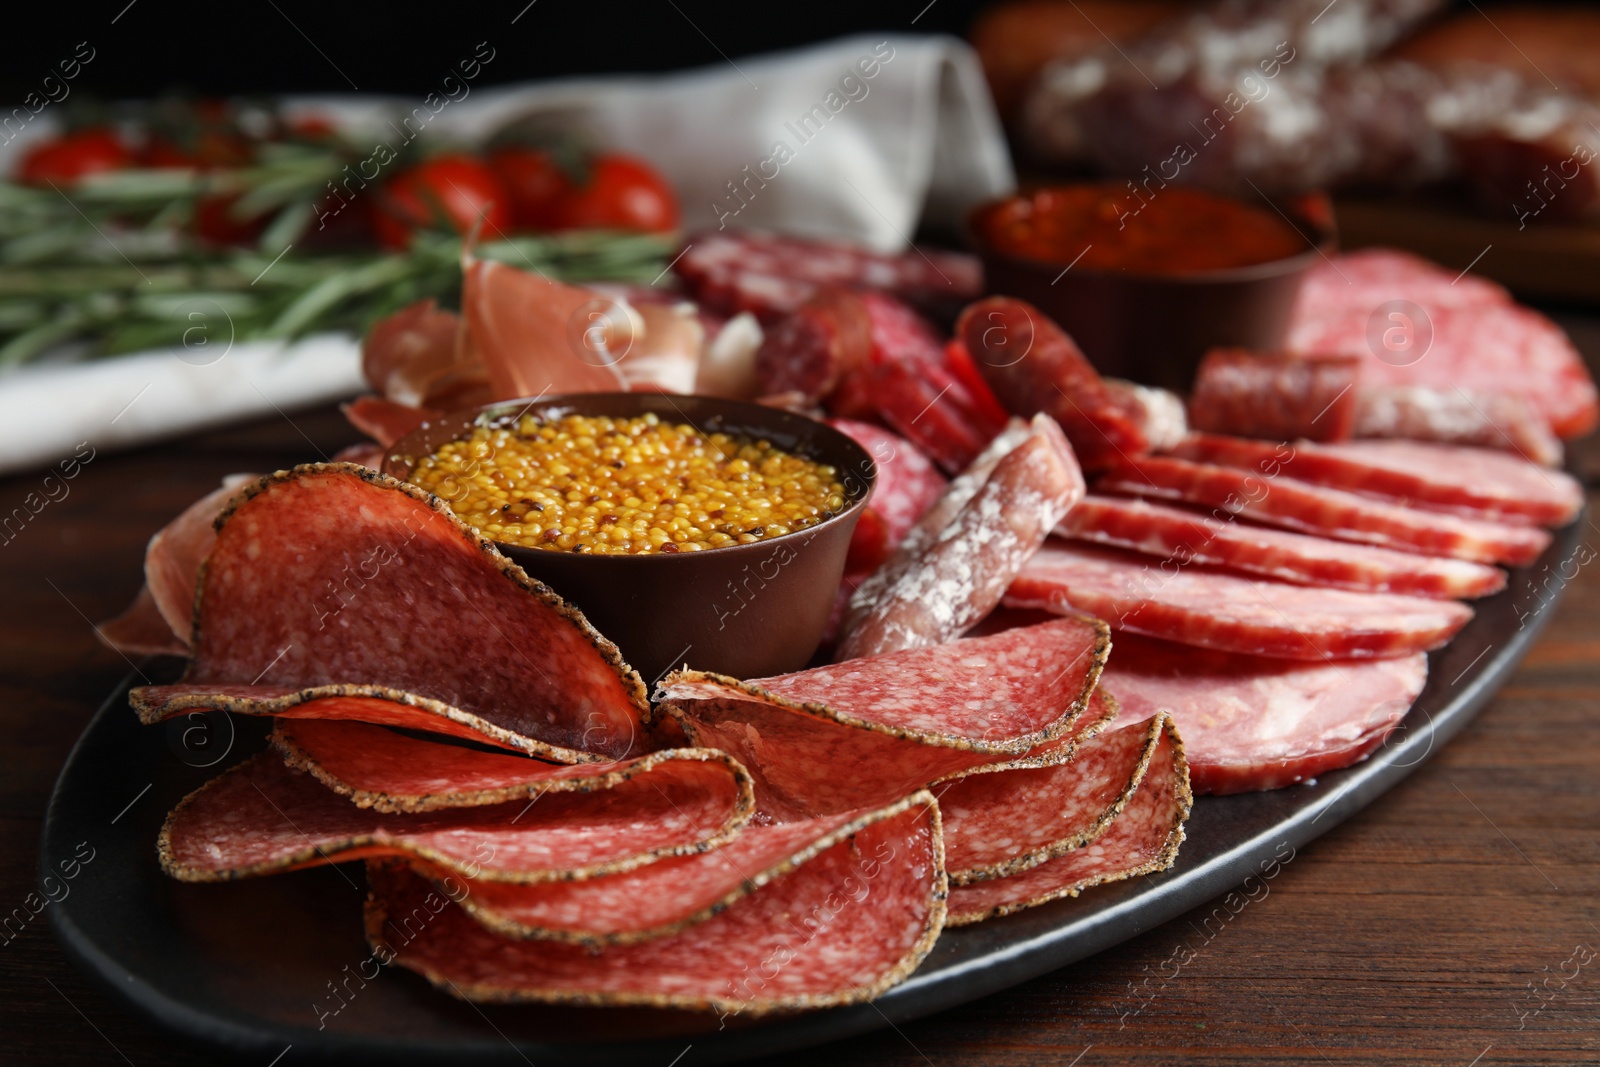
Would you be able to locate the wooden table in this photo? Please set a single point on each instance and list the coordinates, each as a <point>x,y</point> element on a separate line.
<point>1409,934</point>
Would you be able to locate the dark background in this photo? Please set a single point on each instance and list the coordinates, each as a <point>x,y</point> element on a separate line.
<point>258,46</point>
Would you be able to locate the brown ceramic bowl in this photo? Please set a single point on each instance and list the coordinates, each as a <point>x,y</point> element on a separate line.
<point>744,610</point>
<point>1153,328</point>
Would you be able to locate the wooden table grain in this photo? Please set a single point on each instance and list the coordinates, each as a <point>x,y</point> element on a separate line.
<point>1456,922</point>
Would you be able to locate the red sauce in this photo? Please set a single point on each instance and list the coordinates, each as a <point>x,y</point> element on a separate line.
<point>1109,227</point>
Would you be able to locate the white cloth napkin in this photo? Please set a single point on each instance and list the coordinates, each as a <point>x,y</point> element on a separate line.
<point>877,134</point>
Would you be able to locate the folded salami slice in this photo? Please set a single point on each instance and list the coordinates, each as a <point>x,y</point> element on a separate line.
<point>262,817</point>
<point>1005,818</point>
<point>1295,505</point>
<point>1471,481</point>
<point>1143,837</point>
<point>1198,606</point>
<point>1273,395</point>
<point>305,558</point>
<point>1253,723</point>
<point>860,733</point>
<point>960,575</point>
<point>832,925</point>
<point>1180,537</point>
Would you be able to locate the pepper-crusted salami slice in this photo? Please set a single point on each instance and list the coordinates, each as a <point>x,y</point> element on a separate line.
<point>1490,485</point>
<point>1197,606</point>
<point>390,772</point>
<point>306,558</point>
<point>1142,838</point>
<point>1315,509</point>
<point>1033,366</point>
<point>771,275</point>
<point>862,732</point>
<point>1253,723</point>
<point>1271,395</point>
<point>1180,537</point>
<point>262,817</point>
<point>961,575</point>
<point>1001,819</point>
<point>838,927</point>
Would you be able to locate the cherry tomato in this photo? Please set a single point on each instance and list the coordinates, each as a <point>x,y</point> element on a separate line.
<point>622,193</point>
<point>453,190</point>
<point>216,223</point>
<point>311,127</point>
<point>73,157</point>
<point>535,183</point>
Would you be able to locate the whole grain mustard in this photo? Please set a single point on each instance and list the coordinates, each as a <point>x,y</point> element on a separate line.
<point>616,486</point>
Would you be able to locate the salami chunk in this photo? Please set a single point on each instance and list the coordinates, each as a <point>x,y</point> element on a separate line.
<point>1143,837</point>
<point>1475,482</point>
<point>306,558</point>
<point>1182,536</point>
<point>1033,366</point>
<point>1254,723</point>
<point>1296,505</point>
<point>1456,417</point>
<point>1268,394</point>
<point>865,731</point>
<point>961,575</point>
<point>262,817</point>
<point>1002,819</point>
<point>1199,606</point>
<point>836,927</point>
<point>1478,340</point>
<point>771,275</point>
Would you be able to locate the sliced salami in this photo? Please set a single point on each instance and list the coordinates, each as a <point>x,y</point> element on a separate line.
<point>1484,484</point>
<point>1180,536</point>
<point>1001,819</point>
<point>865,731</point>
<point>836,927</point>
<point>262,817</point>
<point>386,771</point>
<point>771,275</point>
<point>1455,417</point>
<point>817,349</point>
<point>1199,606</point>
<point>962,573</point>
<point>1253,723</point>
<point>1033,366</point>
<point>1271,395</point>
<point>907,485</point>
<point>1295,505</point>
<point>1142,838</point>
<point>305,558</point>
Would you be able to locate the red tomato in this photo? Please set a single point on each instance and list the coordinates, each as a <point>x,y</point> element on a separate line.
<point>73,157</point>
<point>453,190</point>
<point>623,193</point>
<point>215,222</point>
<point>535,183</point>
<point>212,150</point>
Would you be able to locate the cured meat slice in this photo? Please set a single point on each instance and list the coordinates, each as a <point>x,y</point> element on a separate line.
<point>771,275</point>
<point>1271,395</point>
<point>817,349</point>
<point>141,631</point>
<point>1142,838</point>
<point>1477,339</point>
<point>1033,366</point>
<point>836,927</point>
<point>1252,723</point>
<point>1160,412</point>
<point>1181,537</point>
<point>961,575</point>
<point>862,732</point>
<point>262,817</point>
<point>390,772</point>
<point>1505,422</point>
<point>657,899</point>
<point>1001,819</point>
<point>907,485</point>
<point>383,420</point>
<point>405,353</point>
<point>353,703</point>
<point>537,337</point>
<point>304,558</point>
<point>1295,505</point>
<point>1489,485</point>
<point>1197,606</point>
